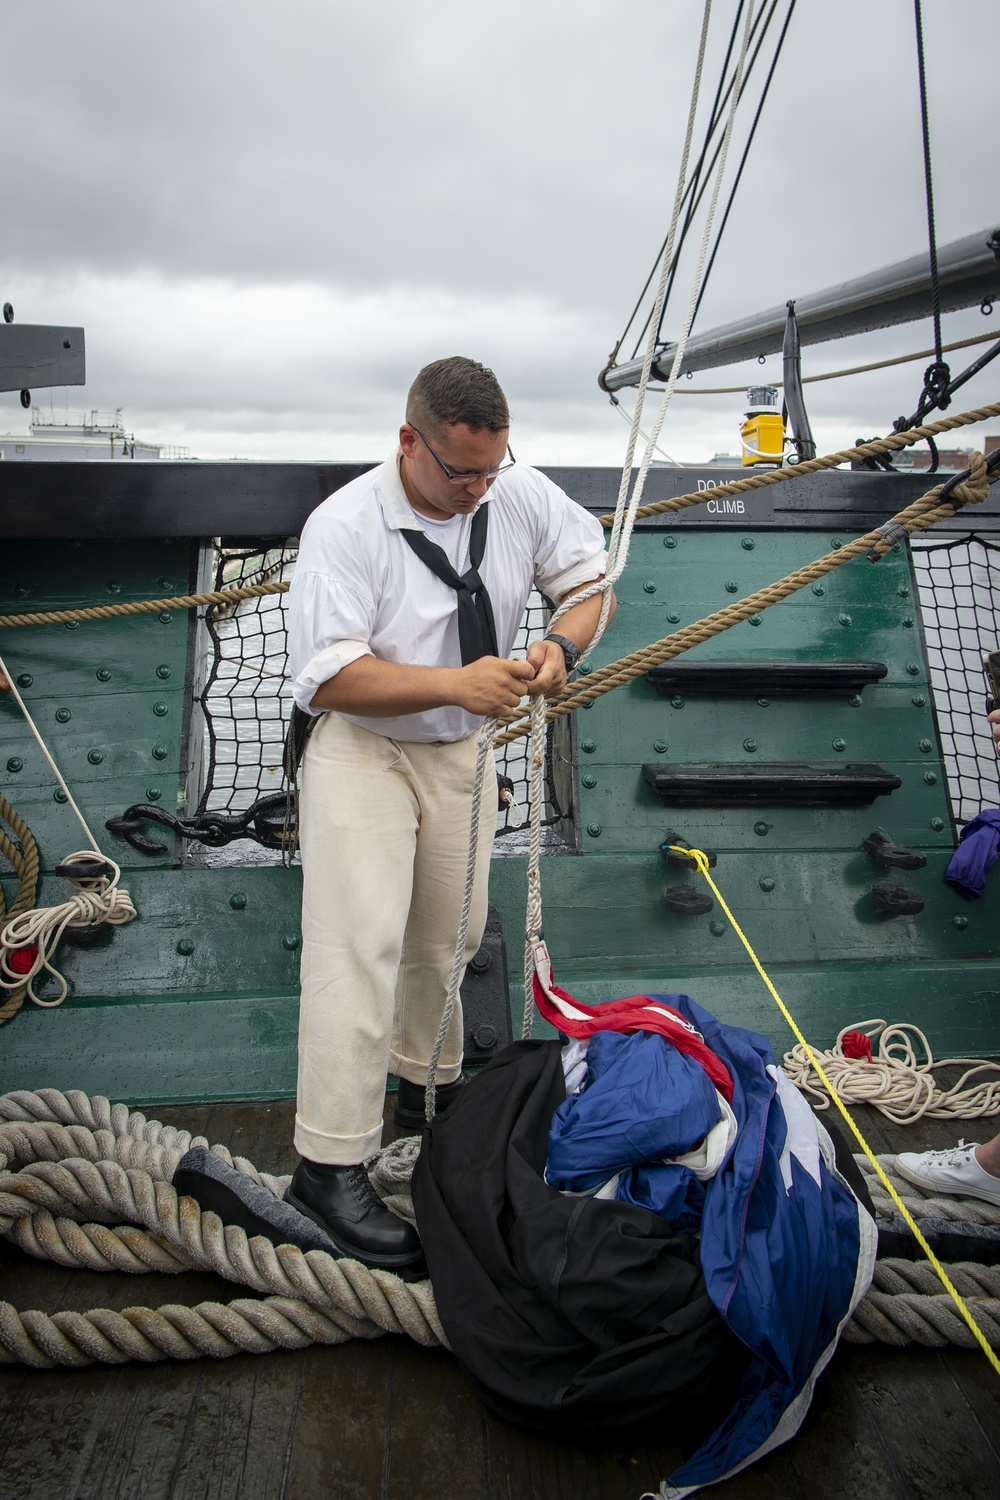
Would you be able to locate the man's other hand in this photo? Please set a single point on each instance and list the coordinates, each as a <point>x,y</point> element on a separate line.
<point>492,686</point>
<point>993,720</point>
<point>550,668</point>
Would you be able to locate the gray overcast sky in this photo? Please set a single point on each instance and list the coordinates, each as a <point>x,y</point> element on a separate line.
<point>267,218</point>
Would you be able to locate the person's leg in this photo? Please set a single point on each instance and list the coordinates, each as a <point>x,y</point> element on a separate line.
<point>970,1171</point>
<point>358,834</point>
<point>444,776</point>
<point>358,822</point>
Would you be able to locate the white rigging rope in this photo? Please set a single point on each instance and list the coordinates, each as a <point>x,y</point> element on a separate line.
<point>96,899</point>
<point>627,505</point>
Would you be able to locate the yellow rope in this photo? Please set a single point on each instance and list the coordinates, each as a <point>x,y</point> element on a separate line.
<point>701,862</point>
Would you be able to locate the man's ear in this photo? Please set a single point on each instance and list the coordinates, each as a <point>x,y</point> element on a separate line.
<point>407,441</point>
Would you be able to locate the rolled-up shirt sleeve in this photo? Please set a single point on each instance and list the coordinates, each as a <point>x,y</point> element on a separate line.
<point>569,548</point>
<point>329,626</point>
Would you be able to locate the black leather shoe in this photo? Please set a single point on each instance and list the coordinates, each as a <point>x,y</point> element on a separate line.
<point>410,1102</point>
<point>344,1203</point>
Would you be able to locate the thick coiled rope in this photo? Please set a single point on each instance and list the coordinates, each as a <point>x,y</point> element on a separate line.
<point>921,1204</point>
<point>86,1184</point>
<point>903,1306</point>
<point>894,1080</point>
<point>109,1206</point>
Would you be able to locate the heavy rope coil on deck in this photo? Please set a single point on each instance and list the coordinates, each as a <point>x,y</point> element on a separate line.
<point>86,1184</point>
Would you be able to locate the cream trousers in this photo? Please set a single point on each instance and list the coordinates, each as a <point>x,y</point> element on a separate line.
<point>384,831</point>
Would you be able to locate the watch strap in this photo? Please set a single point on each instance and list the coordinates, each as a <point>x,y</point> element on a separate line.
<point>570,649</point>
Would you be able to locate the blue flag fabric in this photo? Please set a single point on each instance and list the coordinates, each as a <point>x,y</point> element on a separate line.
<point>787,1251</point>
<point>642,1101</point>
<point>976,854</point>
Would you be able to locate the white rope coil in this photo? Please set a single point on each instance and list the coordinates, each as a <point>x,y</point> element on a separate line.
<point>896,1081</point>
<point>95,901</point>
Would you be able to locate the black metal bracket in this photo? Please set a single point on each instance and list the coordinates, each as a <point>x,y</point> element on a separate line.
<point>775,679</point>
<point>791,784</point>
<point>890,855</point>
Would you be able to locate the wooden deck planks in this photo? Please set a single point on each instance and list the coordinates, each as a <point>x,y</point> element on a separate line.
<point>380,1419</point>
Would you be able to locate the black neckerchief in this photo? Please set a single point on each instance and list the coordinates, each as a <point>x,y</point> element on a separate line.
<point>477,635</point>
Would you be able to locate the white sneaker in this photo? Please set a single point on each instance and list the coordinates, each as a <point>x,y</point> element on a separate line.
<point>953,1171</point>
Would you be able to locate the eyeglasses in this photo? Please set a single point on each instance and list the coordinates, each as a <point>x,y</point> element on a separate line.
<point>453,476</point>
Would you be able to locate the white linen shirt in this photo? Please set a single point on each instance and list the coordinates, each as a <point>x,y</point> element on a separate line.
<point>359,589</point>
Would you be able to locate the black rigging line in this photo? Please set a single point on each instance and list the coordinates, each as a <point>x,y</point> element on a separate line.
<point>702,188</point>
<point>928,185</point>
<point>696,188</point>
<point>743,159</point>
<point>938,384</point>
<point>689,188</point>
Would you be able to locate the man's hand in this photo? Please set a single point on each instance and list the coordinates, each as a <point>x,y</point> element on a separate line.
<point>993,720</point>
<point>492,686</point>
<point>550,668</point>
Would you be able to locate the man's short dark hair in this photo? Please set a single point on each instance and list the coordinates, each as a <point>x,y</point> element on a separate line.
<point>457,390</point>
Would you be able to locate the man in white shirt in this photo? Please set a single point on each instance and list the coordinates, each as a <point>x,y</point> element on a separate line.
<point>407,595</point>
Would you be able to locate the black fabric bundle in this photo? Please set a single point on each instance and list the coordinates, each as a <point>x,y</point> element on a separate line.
<point>569,1315</point>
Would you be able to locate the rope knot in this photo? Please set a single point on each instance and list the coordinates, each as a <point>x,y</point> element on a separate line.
<point>974,490</point>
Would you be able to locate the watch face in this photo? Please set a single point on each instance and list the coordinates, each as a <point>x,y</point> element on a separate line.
<point>569,651</point>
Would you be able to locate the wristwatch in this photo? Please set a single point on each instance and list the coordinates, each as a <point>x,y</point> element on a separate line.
<point>569,650</point>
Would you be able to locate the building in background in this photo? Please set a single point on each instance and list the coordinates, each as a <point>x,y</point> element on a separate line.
<point>83,435</point>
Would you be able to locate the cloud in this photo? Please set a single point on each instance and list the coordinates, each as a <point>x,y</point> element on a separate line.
<point>267,222</point>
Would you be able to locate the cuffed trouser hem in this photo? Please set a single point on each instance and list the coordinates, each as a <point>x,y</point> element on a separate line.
<point>336,1150</point>
<point>416,1072</point>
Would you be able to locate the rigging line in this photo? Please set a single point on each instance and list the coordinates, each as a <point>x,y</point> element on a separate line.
<point>623,488</point>
<point>658,258</point>
<point>700,188</point>
<point>714,119</point>
<point>744,83</point>
<point>642,433</point>
<point>699,270</point>
<point>879,364</point>
<point>746,153</point>
<point>928,184</point>
<point>715,116</point>
<point>45,751</point>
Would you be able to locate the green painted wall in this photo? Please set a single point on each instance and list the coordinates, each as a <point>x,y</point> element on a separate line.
<point>198,998</point>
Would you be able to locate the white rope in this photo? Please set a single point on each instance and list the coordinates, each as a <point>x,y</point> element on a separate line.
<point>626,505</point>
<point>533,909</point>
<point>45,751</point>
<point>617,406</point>
<point>895,1081</point>
<point>95,900</point>
<point>485,754</point>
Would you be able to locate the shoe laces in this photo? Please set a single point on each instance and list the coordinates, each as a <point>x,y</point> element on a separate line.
<point>955,1156</point>
<point>364,1194</point>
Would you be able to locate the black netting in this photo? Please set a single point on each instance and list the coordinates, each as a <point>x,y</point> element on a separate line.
<point>247,700</point>
<point>959,586</point>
